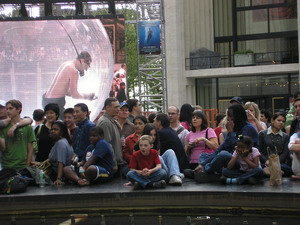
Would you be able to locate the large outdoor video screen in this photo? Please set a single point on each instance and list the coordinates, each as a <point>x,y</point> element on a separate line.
<point>34,53</point>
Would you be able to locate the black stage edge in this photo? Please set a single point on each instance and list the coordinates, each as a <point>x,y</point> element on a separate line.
<point>190,199</point>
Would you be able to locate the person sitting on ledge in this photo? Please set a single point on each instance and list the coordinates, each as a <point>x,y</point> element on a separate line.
<point>211,165</point>
<point>98,164</point>
<point>244,165</point>
<point>145,167</point>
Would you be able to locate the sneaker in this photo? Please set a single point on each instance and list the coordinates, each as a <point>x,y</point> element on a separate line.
<point>189,173</point>
<point>203,177</point>
<point>175,180</point>
<point>159,184</point>
<point>181,175</point>
<point>137,186</point>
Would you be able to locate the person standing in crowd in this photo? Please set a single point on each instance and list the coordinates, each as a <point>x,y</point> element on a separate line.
<point>237,100</point>
<point>139,124</point>
<point>42,133</point>
<point>219,125</point>
<point>168,139</point>
<point>291,113</point>
<point>266,116</point>
<point>295,125</point>
<point>253,114</point>
<point>38,117</point>
<point>65,82</point>
<point>111,129</point>
<point>5,121</point>
<point>274,140</point>
<point>185,116</point>
<point>69,120</point>
<point>173,113</point>
<point>127,128</point>
<point>17,150</point>
<point>121,95</point>
<point>135,109</point>
<point>81,136</point>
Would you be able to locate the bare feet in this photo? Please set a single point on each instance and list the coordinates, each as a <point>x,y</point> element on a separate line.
<point>198,169</point>
<point>127,184</point>
<point>83,182</point>
<point>295,177</point>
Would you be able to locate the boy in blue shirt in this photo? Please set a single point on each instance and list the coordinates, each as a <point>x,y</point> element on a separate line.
<point>98,165</point>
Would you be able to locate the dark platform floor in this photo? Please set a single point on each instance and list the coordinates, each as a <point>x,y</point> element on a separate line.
<point>190,198</point>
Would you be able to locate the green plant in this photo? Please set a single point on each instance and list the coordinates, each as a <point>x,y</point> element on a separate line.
<point>248,51</point>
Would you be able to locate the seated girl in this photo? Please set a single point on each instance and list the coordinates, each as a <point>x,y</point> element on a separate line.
<point>244,165</point>
<point>145,167</point>
<point>62,152</point>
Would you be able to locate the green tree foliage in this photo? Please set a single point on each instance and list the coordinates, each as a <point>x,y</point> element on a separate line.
<point>130,45</point>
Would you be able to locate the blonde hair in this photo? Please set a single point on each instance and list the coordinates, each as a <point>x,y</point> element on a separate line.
<point>146,138</point>
<point>255,107</point>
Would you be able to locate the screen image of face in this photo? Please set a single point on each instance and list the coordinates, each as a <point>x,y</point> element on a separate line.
<point>38,58</point>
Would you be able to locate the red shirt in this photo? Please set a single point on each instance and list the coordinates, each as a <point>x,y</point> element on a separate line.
<point>129,146</point>
<point>140,161</point>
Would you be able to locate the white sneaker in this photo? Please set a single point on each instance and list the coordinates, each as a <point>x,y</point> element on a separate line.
<point>175,180</point>
<point>181,175</point>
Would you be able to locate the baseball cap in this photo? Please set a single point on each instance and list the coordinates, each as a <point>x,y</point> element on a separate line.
<point>122,104</point>
<point>238,100</point>
<point>2,103</point>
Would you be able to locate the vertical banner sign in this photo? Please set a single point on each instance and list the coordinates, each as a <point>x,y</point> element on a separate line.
<point>149,37</point>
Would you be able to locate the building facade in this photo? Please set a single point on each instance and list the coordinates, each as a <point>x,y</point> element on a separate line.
<point>217,49</point>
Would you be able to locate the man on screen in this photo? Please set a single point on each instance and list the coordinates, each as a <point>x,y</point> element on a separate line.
<point>65,82</point>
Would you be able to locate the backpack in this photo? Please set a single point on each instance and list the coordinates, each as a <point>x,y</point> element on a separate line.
<point>12,182</point>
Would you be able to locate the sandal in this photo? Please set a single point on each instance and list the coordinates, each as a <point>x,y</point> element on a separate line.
<point>83,182</point>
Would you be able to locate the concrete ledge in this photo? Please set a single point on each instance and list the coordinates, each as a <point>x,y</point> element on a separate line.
<point>242,71</point>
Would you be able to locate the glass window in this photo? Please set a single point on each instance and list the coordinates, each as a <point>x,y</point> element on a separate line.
<point>283,19</point>
<point>266,2</point>
<point>252,22</point>
<point>243,3</point>
<point>206,93</point>
<point>295,84</point>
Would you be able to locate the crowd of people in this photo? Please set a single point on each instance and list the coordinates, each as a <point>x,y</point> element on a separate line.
<point>151,151</point>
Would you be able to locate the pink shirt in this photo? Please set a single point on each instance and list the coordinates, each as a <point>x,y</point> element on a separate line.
<point>251,156</point>
<point>199,148</point>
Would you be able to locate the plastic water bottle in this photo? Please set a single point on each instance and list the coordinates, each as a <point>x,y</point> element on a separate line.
<point>42,181</point>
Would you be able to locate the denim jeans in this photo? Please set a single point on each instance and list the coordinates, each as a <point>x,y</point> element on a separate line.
<point>242,176</point>
<point>169,163</point>
<point>158,175</point>
<point>214,162</point>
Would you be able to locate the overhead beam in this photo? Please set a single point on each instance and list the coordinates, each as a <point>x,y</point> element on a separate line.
<point>55,1</point>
